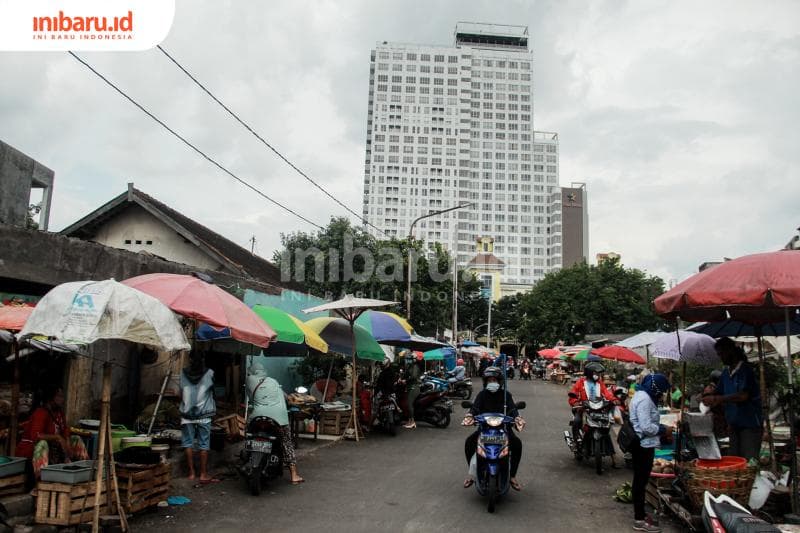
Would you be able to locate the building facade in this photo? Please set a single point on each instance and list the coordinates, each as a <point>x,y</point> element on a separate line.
<point>568,237</point>
<point>452,125</point>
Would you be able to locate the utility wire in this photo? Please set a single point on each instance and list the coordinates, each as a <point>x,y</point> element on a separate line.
<point>190,145</point>
<point>264,142</point>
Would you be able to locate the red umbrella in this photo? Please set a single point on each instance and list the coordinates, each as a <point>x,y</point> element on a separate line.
<point>194,298</point>
<point>549,353</point>
<point>754,289</point>
<point>618,353</point>
<point>13,317</point>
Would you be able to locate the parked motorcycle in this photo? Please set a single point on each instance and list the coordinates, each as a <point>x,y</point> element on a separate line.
<point>262,455</point>
<point>594,435</point>
<point>388,412</point>
<point>722,514</point>
<point>432,404</point>
<point>493,455</point>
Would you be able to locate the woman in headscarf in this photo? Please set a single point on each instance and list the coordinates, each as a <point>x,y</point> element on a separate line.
<point>268,399</point>
<point>646,422</point>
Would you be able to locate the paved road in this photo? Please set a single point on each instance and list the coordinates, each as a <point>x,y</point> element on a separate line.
<point>413,483</point>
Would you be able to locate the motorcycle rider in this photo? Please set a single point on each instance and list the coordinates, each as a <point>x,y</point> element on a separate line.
<point>491,400</point>
<point>459,373</point>
<point>589,387</point>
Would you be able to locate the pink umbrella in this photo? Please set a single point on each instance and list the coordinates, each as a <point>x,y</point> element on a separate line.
<point>549,353</point>
<point>194,298</point>
<point>618,353</point>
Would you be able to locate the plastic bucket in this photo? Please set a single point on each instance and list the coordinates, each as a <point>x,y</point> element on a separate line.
<point>117,434</point>
<point>726,462</point>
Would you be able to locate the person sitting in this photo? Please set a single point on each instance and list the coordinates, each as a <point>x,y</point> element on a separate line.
<point>459,373</point>
<point>266,398</point>
<point>491,400</point>
<point>47,440</point>
<point>588,388</point>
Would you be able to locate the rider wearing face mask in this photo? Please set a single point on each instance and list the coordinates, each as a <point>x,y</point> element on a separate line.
<point>490,400</point>
<point>589,387</point>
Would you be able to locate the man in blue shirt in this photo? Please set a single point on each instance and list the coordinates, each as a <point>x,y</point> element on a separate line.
<point>739,393</point>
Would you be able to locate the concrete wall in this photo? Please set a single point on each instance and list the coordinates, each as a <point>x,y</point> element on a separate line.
<point>140,228</point>
<point>18,174</point>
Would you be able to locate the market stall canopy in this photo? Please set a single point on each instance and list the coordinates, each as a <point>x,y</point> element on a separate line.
<point>82,312</point>
<point>336,332</point>
<point>645,338</point>
<point>686,346</point>
<point>439,354</point>
<point>385,327</point>
<point>195,298</point>
<point>13,317</point>
<point>753,288</point>
<point>549,353</point>
<point>585,355</point>
<point>289,329</point>
<point>619,353</point>
<point>468,343</point>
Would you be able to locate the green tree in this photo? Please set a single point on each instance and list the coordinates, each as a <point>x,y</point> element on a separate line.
<point>586,299</point>
<point>342,259</point>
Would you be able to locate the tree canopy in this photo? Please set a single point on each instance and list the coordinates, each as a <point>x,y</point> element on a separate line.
<point>344,259</point>
<point>582,300</point>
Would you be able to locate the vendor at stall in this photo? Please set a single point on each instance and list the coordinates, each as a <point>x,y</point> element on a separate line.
<point>46,438</point>
<point>197,410</point>
<point>266,398</point>
<point>739,393</point>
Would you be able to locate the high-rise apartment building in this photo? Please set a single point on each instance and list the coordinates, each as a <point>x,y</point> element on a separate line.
<point>451,125</point>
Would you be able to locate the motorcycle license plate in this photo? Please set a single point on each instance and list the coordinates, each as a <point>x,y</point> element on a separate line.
<point>387,407</point>
<point>264,446</point>
<point>493,439</point>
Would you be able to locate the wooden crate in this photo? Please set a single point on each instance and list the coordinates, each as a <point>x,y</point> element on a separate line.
<point>333,422</point>
<point>12,485</point>
<point>143,487</point>
<point>61,504</point>
<point>233,426</point>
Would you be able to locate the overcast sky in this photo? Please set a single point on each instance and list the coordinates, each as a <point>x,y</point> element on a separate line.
<point>681,117</point>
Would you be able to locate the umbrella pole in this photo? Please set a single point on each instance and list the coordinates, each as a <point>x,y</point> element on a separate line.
<point>327,380</point>
<point>12,434</point>
<point>765,403</point>
<point>683,387</point>
<point>101,446</point>
<point>354,416</point>
<point>792,436</point>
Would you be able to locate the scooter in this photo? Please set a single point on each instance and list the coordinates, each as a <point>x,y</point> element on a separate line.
<point>722,514</point>
<point>493,455</point>
<point>388,412</point>
<point>262,455</point>
<point>525,373</point>
<point>594,436</point>
<point>432,405</point>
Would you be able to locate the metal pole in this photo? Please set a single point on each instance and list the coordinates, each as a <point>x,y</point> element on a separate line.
<point>489,325</point>
<point>455,301</point>
<point>792,436</point>
<point>410,241</point>
<point>765,400</point>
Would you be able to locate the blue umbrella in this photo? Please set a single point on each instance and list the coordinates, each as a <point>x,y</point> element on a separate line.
<point>469,344</point>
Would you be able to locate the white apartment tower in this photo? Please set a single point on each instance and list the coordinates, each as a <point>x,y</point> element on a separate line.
<point>451,125</point>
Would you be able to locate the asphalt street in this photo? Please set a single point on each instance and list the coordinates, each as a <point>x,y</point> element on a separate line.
<point>413,482</point>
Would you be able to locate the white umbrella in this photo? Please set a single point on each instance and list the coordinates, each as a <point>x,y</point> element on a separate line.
<point>642,339</point>
<point>85,311</point>
<point>82,312</point>
<point>686,347</point>
<point>350,308</point>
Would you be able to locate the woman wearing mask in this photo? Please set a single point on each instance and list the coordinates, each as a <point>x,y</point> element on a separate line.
<point>646,422</point>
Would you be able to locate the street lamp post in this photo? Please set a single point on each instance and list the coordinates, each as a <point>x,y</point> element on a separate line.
<point>410,237</point>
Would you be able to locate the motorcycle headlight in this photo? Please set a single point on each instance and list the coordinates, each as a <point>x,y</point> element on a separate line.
<point>494,421</point>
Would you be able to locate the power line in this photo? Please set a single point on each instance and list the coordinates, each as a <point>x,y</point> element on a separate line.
<point>264,142</point>
<point>190,145</point>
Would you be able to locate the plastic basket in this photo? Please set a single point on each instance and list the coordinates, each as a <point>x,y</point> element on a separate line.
<point>726,462</point>
<point>735,482</point>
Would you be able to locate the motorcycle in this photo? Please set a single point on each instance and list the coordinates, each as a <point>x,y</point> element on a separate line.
<point>525,373</point>
<point>493,461</point>
<point>388,412</point>
<point>722,514</point>
<point>262,455</point>
<point>432,404</point>
<point>594,435</point>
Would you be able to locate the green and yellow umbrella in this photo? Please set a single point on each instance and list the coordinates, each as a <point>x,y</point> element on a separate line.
<point>289,330</point>
<point>336,332</point>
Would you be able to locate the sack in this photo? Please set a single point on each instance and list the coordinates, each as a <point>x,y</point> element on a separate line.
<point>627,437</point>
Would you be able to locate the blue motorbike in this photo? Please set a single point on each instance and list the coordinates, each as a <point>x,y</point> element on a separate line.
<point>493,454</point>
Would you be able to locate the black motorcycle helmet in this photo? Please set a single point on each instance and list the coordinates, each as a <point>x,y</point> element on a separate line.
<point>493,372</point>
<point>593,368</point>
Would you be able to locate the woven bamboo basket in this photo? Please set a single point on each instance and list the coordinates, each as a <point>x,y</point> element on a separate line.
<point>736,484</point>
